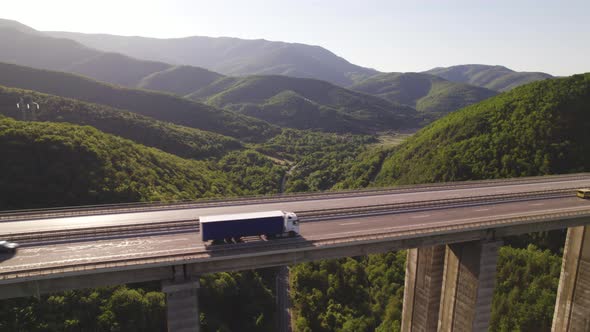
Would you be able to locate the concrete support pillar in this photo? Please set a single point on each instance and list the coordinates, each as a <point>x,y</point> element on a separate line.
<point>182,302</point>
<point>572,306</point>
<point>468,286</point>
<point>283,300</point>
<point>424,270</point>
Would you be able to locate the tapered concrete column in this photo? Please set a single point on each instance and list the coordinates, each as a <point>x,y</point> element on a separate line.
<point>283,300</point>
<point>468,286</point>
<point>182,302</point>
<point>424,270</point>
<point>572,306</point>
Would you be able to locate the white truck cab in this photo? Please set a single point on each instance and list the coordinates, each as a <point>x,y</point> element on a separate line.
<point>291,224</point>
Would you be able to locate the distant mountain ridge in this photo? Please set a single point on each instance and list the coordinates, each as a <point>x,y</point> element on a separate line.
<point>231,56</point>
<point>340,111</point>
<point>31,48</point>
<point>12,24</point>
<point>160,106</point>
<point>283,101</point>
<point>429,94</point>
<point>497,78</point>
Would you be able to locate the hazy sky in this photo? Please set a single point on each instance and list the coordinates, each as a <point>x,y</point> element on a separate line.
<point>388,35</point>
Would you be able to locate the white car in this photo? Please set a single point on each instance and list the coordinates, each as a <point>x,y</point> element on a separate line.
<point>9,247</point>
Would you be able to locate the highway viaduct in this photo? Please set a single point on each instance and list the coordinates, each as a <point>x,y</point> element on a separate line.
<point>452,232</point>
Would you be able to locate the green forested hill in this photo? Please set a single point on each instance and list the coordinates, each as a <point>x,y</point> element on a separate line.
<point>429,94</point>
<point>183,141</point>
<point>498,78</point>
<point>160,106</point>
<point>61,164</point>
<point>55,164</point>
<point>115,68</point>
<point>306,104</point>
<point>539,128</point>
<point>181,80</point>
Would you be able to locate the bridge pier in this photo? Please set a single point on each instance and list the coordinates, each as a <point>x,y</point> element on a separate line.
<point>424,271</point>
<point>181,302</point>
<point>468,286</point>
<point>572,306</point>
<point>283,302</point>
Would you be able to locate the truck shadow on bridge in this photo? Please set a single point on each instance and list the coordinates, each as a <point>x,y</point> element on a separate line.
<point>255,244</point>
<point>6,256</point>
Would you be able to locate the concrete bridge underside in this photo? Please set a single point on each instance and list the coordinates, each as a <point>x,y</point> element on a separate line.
<point>449,287</point>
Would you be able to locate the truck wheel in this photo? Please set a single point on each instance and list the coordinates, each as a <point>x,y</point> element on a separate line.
<point>292,234</point>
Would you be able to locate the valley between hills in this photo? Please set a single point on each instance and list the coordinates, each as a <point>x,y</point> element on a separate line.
<point>94,119</point>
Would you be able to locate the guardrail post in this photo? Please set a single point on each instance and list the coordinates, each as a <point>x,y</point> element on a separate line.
<point>424,269</point>
<point>181,301</point>
<point>572,305</point>
<point>468,286</point>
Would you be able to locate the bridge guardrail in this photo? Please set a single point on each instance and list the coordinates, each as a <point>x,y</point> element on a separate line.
<point>15,215</point>
<point>434,203</point>
<point>187,258</point>
<point>306,216</point>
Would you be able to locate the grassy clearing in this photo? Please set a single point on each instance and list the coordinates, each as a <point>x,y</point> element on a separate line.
<point>391,139</point>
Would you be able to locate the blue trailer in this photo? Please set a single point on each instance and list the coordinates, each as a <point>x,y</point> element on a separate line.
<point>235,226</point>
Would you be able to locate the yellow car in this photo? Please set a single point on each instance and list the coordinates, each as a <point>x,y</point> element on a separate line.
<point>583,193</point>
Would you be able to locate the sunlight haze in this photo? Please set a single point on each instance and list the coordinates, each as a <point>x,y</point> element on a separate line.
<point>398,36</point>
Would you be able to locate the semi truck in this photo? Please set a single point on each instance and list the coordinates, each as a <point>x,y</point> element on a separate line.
<point>233,227</point>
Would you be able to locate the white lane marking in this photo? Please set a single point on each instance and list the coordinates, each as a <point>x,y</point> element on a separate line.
<point>96,259</point>
<point>537,204</point>
<point>481,210</point>
<point>420,216</point>
<point>349,223</point>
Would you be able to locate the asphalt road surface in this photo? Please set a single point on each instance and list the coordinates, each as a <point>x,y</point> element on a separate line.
<point>150,246</point>
<point>300,205</point>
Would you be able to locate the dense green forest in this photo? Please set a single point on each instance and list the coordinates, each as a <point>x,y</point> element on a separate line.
<point>349,294</point>
<point>179,140</point>
<point>243,296</point>
<point>539,128</point>
<point>60,164</point>
<point>306,104</point>
<point>317,161</point>
<point>160,106</point>
<point>56,164</point>
<point>526,287</point>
